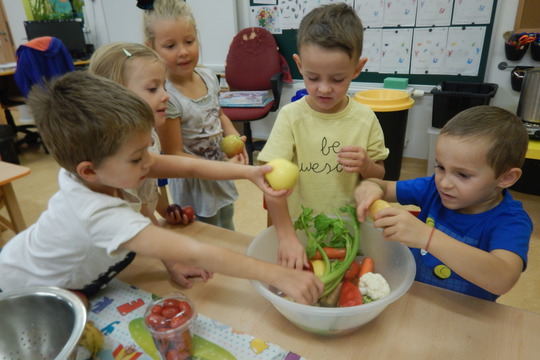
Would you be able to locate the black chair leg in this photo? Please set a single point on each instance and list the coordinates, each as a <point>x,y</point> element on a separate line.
<point>249,141</point>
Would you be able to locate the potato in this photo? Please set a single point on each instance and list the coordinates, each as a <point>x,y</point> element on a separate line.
<point>378,205</point>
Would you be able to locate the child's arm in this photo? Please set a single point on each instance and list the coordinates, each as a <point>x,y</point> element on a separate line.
<point>303,286</point>
<point>170,138</point>
<point>370,190</point>
<point>170,166</point>
<point>291,252</point>
<point>496,271</point>
<point>355,159</point>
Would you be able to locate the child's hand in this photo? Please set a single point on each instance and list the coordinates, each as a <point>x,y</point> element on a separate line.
<point>402,226</point>
<point>180,273</point>
<point>302,286</point>
<point>259,179</point>
<point>365,194</point>
<point>291,253</point>
<point>241,159</point>
<point>174,215</point>
<point>354,159</point>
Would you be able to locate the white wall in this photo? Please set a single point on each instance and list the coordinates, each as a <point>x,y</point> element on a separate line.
<point>114,20</point>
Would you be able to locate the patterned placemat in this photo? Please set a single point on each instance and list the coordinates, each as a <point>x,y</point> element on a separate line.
<point>117,311</point>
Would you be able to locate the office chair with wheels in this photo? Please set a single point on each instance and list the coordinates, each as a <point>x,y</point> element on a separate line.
<point>253,63</point>
<point>37,60</point>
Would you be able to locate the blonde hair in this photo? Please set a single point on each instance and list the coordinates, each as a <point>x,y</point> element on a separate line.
<point>112,60</point>
<point>85,117</point>
<point>165,10</point>
<point>503,130</point>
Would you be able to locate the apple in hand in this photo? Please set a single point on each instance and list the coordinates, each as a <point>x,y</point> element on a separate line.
<point>232,145</point>
<point>283,175</point>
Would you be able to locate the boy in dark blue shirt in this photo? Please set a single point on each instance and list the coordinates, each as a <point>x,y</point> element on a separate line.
<point>471,236</point>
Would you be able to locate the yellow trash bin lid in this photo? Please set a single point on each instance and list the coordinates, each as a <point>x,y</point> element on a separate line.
<point>385,100</point>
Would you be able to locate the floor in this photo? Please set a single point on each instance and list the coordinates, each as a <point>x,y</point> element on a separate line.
<point>34,191</point>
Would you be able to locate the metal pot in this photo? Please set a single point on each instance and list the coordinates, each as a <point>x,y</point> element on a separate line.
<point>529,101</point>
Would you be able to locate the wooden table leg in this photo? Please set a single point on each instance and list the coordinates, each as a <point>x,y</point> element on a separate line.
<point>13,209</point>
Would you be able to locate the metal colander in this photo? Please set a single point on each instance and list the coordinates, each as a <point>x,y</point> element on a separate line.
<point>40,323</point>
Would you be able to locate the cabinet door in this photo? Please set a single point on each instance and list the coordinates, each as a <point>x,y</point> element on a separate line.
<point>7,50</point>
<point>527,16</point>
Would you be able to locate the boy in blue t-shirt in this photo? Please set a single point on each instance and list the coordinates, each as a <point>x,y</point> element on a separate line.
<point>472,237</point>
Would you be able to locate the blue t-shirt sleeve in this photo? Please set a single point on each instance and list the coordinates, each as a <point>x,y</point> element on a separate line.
<point>414,191</point>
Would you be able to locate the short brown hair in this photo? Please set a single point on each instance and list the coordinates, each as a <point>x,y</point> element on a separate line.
<point>333,26</point>
<point>112,60</point>
<point>165,10</point>
<point>503,130</point>
<point>85,117</point>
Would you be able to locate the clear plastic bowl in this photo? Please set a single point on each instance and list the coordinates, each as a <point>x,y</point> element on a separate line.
<point>392,259</point>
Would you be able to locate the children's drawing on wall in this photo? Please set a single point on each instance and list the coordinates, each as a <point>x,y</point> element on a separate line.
<point>472,12</point>
<point>372,49</point>
<point>396,51</point>
<point>449,35</point>
<point>434,12</point>
<point>464,50</point>
<point>53,9</point>
<point>400,13</point>
<point>428,50</point>
<point>291,13</point>
<point>370,12</point>
<point>266,17</point>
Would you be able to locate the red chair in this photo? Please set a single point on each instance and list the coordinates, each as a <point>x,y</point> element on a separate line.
<point>253,63</point>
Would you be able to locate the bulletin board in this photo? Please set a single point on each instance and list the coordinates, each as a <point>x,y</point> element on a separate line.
<point>426,41</point>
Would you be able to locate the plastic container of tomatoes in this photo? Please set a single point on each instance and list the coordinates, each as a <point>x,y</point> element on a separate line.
<point>169,320</point>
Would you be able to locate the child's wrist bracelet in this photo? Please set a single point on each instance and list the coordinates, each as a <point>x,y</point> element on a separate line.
<point>376,183</point>
<point>430,237</point>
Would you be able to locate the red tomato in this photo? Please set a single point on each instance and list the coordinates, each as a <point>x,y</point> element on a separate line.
<point>171,303</point>
<point>178,321</point>
<point>189,212</point>
<point>170,312</point>
<point>173,354</point>
<point>185,309</point>
<point>156,309</point>
<point>156,321</point>
<point>309,267</point>
<point>352,271</point>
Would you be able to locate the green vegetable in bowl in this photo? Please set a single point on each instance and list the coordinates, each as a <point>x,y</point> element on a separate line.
<point>322,231</point>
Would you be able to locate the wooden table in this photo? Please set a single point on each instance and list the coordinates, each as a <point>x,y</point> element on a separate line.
<point>426,323</point>
<point>8,173</point>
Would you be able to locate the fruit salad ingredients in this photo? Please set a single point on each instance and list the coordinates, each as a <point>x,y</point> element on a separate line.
<point>283,175</point>
<point>232,145</point>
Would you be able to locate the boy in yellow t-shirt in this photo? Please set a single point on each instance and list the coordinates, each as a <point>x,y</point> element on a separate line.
<point>335,141</point>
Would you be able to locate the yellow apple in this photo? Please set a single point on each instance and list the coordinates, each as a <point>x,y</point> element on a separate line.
<point>283,175</point>
<point>232,145</point>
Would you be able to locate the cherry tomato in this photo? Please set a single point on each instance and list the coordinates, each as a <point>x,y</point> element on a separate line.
<point>156,309</point>
<point>156,321</point>
<point>185,309</point>
<point>189,212</point>
<point>178,321</point>
<point>170,312</point>
<point>171,303</point>
<point>173,354</point>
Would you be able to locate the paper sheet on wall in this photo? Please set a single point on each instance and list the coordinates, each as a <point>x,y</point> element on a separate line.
<point>464,50</point>
<point>266,17</point>
<point>371,12</point>
<point>396,51</point>
<point>372,49</point>
<point>472,12</point>
<point>291,13</point>
<point>400,13</point>
<point>428,50</point>
<point>434,12</point>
